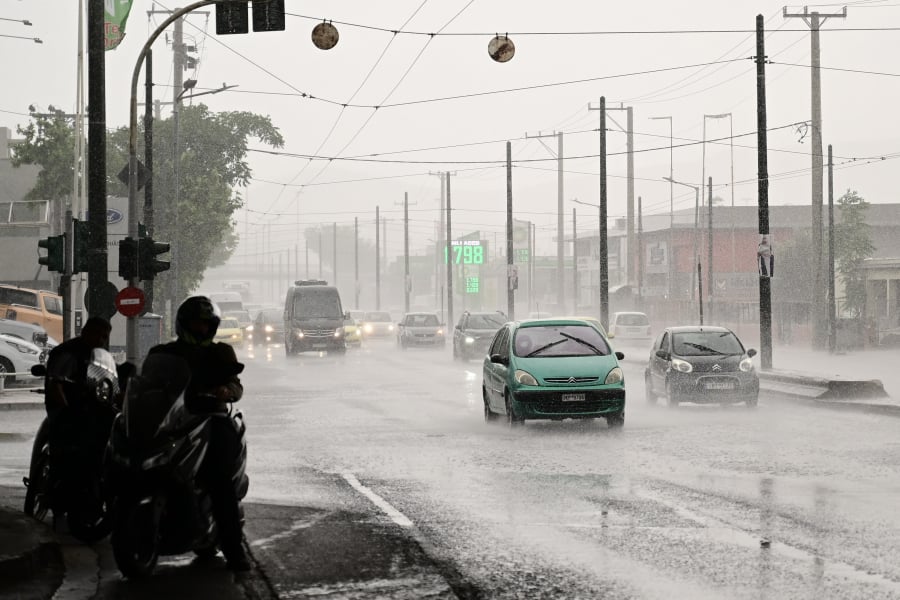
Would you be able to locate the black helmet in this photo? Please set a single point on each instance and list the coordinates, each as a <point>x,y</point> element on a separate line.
<point>197,308</point>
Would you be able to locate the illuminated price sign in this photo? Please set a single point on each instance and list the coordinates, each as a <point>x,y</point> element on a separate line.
<point>464,252</point>
<point>473,285</point>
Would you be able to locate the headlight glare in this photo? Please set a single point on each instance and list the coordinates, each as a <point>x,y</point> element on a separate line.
<point>682,365</point>
<point>339,332</point>
<point>614,376</point>
<point>747,364</point>
<point>470,340</point>
<point>525,378</point>
<point>269,329</point>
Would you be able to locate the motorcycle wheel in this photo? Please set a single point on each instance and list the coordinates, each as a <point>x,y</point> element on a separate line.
<point>89,520</point>
<point>37,494</point>
<point>135,540</point>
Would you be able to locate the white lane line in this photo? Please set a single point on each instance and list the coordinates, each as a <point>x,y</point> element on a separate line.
<point>398,517</point>
<point>295,527</point>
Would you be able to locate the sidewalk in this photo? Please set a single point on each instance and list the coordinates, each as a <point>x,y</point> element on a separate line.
<point>883,365</point>
<point>31,563</point>
<point>20,399</point>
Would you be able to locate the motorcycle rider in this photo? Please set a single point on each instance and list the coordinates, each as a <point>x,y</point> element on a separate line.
<point>212,368</point>
<point>70,418</point>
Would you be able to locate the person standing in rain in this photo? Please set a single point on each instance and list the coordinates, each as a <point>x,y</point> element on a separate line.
<point>766,257</point>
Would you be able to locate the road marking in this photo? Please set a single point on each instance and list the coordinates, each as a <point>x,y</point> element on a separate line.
<point>398,517</point>
<point>295,526</point>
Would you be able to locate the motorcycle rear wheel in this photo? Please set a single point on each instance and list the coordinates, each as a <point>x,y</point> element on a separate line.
<point>37,496</point>
<point>135,540</point>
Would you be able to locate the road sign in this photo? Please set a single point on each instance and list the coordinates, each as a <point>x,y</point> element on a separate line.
<point>107,296</point>
<point>130,301</point>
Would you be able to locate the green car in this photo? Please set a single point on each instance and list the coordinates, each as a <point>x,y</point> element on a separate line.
<point>553,369</point>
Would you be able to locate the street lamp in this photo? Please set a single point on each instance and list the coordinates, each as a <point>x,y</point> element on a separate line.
<point>730,118</point>
<point>671,205</point>
<point>696,189</point>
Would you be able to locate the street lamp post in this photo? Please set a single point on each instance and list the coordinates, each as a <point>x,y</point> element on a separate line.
<point>730,118</point>
<point>602,260</point>
<point>696,189</point>
<point>669,252</point>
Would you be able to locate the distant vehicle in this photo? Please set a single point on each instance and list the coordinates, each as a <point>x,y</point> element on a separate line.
<point>35,334</point>
<point>243,317</point>
<point>701,364</point>
<point>267,328</point>
<point>552,369</point>
<point>378,323</point>
<point>18,356</point>
<point>630,327</point>
<point>473,333</point>
<point>592,320</point>
<point>421,329</point>
<point>227,301</point>
<point>539,315</point>
<point>242,287</point>
<point>230,332</point>
<point>38,307</point>
<point>352,332</point>
<point>313,318</point>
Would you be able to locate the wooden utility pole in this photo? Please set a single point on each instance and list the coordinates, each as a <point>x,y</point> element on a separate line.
<point>765,283</point>
<point>815,20</point>
<point>510,267</point>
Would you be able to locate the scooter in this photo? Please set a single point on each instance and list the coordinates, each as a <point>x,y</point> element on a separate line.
<point>155,452</point>
<point>74,485</point>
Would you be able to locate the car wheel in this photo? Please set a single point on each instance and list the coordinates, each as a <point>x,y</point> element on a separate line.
<point>616,421</point>
<point>512,419</point>
<point>670,396</point>
<point>7,367</point>
<point>752,402</point>
<point>489,415</point>
<point>648,387</point>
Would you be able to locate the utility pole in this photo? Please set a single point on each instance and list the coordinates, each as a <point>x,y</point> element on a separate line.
<point>765,287</point>
<point>709,252</point>
<point>100,305</point>
<point>629,211</point>
<point>510,266</point>
<point>574,263</point>
<point>832,333</point>
<point>640,254</point>
<point>307,256</point>
<point>148,160</point>
<point>560,224</point>
<point>815,20</point>
<point>178,83</point>
<point>406,281</point>
<point>356,262</point>
<point>669,251</point>
<point>334,255</point>
<point>604,247</point>
<point>441,243</point>
<point>449,263</point>
<point>320,252</point>
<point>377,259</point>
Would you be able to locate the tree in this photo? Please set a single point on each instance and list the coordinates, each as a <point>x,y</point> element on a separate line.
<point>852,246</point>
<point>212,167</point>
<point>49,142</point>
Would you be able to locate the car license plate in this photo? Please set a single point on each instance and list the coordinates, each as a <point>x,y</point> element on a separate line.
<point>573,397</point>
<point>720,385</point>
<point>320,345</point>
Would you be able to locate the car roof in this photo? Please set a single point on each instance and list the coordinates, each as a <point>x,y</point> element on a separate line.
<point>555,321</point>
<point>629,312</point>
<point>421,312</point>
<point>697,329</point>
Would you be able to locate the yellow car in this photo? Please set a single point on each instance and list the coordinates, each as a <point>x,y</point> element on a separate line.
<point>230,332</point>
<point>352,332</point>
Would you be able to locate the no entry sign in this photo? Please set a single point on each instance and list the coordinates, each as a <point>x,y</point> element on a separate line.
<point>130,301</point>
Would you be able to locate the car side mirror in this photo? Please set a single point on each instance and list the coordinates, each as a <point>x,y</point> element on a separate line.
<point>610,335</point>
<point>751,352</point>
<point>497,359</point>
<point>39,370</point>
<point>346,315</point>
<point>620,355</point>
<point>457,327</point>
<point>662,354</point>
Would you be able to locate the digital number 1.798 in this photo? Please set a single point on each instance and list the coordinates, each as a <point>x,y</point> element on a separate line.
<point>466,255</point>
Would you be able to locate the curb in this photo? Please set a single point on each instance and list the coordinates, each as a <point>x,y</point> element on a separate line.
<point>21,405</point>
<point>33,562</point>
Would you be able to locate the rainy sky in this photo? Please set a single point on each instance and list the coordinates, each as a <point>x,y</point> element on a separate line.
<point>417,104</point>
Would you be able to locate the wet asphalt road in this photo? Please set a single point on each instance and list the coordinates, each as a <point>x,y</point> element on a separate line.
<point>374,475</point>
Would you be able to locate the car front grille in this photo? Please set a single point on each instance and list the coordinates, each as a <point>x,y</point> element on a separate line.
<point>571,380</point>
<point>319,333</point>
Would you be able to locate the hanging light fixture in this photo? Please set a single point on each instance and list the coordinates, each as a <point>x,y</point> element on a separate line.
<point>325,36</point>
<point>501,48</point>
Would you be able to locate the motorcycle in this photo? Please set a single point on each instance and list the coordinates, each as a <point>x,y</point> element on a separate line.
<point>156,449</point>
<point>67,475</point>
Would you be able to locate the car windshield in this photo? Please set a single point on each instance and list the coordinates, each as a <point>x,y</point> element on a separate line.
<point>490,321</point>
<point>706,343</point>
<point>632,320</point>
<point>422,320</point>
<point>559,340</point>
<point>229,324</point>
<point>317,304</point>
<point>378,317</point>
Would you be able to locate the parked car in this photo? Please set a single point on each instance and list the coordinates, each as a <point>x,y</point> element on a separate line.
<point>18,356</point>
<point>553,369</point>
<point>378,323</point>
<point>592,320</point>
<point>352,332</point>
<point>230,332</point>
<point>473,333</point>
<point>35,334</point>
<point>39,307</point>
<point>421,329</point>
<point>630,327</point>
<point>268,328</point>
<point>703,364</point>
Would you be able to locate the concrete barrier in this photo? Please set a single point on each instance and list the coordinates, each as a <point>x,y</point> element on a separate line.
<point>865,395</point>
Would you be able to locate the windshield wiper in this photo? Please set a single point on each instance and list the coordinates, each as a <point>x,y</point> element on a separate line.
<point>583,342</point>
<point>706,349</point>
<point>546,347</point>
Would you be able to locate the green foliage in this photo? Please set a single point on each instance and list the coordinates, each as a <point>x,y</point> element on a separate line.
<point>852,245</point>
<point>50,143</point>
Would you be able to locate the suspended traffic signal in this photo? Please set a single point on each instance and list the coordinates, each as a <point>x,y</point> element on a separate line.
<point>128,256</point>
<point>55,259</point>
<point>231,17</point>
<point>148,264</point>
<point>268,15</point>
<point>81,246</point>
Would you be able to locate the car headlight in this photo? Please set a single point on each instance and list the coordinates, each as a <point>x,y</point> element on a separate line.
<point>440,332</point>
<point>390,327</point>
<point>22,348</point>
<point>525,378</point>
<point>249,328</point>
<point>746,365</point>
<point>470,340</point>
<point>299,335</point>
<point>339,332</point>
<point>368,328</point>
<point>614,376</point>
<point>269,329</point>
<point>682,365</point>
<point>358,331</point>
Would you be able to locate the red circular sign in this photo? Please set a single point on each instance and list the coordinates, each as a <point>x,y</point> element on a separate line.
<point>130,301</point>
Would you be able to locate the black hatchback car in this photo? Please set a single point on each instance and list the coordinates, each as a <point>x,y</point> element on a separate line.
<point>702,364</point>
<point>473,333</point>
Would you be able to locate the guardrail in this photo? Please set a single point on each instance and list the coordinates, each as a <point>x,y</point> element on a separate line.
<point>4,375</point>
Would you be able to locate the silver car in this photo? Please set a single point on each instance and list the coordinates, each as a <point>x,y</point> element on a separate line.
<point>421,329</point>
<point>18,356</point>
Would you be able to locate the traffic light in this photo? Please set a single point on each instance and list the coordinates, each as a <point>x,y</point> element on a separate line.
<point>80,246</point>
<point>231,17</point>
<point>268,15</point>
<point>56,253</point>
<point>128,254</point>
<point>148,264</point>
